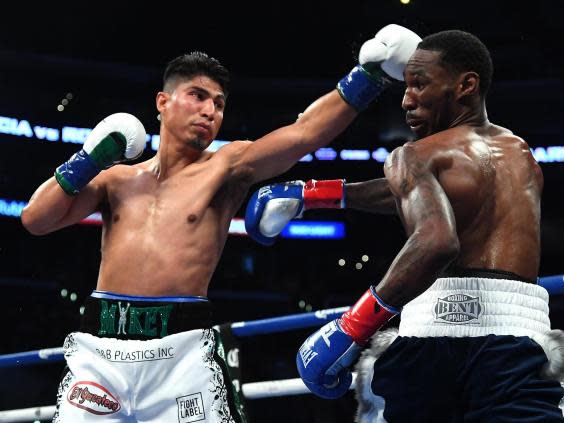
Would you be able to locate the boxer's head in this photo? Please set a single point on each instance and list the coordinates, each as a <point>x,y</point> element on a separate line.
<point>461,52</point>
<point>192,101</point>
<point>448,75</point>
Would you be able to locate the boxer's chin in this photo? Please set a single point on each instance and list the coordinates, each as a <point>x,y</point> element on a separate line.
<point>198,144</point>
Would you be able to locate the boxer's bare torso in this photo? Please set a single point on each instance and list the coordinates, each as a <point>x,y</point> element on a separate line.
<point>166,237</point>
<point>166,220</point>
<point>493,185</point>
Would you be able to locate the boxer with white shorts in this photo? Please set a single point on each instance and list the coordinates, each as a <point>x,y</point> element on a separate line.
<point>165,223</point>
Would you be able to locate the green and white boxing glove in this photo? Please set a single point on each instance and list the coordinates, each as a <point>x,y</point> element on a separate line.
<point>117,138</point>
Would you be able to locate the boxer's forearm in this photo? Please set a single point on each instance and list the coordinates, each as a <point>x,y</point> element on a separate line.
<point>48,205</point>
<point>281,149</point>
<point>372,196</point>
<point>50,208</point>
<point>425,255</point>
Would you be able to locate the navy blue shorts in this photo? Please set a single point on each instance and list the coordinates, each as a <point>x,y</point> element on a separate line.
<point>489,378</point>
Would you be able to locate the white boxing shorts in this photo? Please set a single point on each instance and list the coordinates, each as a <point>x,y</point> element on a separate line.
<point>146,359</point>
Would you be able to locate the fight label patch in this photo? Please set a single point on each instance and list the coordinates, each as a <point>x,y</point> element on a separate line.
<point>458,309</point>
<point>190,408</point>
<point>93,398</point>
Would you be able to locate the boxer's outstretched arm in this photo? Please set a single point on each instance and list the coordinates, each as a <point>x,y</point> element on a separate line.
<point>429,221</point>
<point>279,150</point>
<point>373,196</point>
<point>381,60</point>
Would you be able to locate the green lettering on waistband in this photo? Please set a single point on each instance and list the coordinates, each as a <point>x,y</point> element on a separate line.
<point>164,311</point>
<point>134,324</point>
<point>143,320</point>
<point>150,320</point>
<point>107,318</point>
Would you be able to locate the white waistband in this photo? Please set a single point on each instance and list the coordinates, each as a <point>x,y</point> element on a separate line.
<point>468,307</point>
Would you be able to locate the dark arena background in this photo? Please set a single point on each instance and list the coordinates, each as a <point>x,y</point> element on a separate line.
<point>63,70</point>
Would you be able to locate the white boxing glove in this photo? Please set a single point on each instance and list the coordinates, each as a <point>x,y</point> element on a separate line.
<point>391,48</point>
<point>130,136</point>
<point>117,138</point>
<point>381,60</point>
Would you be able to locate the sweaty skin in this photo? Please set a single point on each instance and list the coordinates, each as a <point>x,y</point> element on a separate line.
<point>473,203</point>
<point>166,220</point>
<point>468,192</point>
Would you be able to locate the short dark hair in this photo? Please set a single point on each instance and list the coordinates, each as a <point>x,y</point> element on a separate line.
<point>187,66</point>
<point>462,51</point>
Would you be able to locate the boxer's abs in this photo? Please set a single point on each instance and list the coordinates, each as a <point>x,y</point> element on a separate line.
<point>169,255</point>
<point>165,237</point>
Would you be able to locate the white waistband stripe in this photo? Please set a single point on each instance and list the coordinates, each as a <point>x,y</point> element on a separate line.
<point>461,307</point>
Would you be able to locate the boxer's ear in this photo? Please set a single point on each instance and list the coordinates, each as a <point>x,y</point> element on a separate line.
<point>161,101</point>
<point>468,84</point>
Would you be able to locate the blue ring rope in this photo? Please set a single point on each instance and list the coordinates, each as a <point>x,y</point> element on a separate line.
<point>553,284</point>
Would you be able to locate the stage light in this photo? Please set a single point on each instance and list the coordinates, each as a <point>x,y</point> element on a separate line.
<point>326,154</point>
<point>380,154</point>
<point>355,155</point>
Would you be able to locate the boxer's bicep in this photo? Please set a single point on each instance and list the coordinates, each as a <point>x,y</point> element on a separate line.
<point>429,221</point>
<point>421,199</point>
<point>426,204</point>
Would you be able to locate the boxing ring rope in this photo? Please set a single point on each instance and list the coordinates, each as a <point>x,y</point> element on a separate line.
<point>240,330</point>
<point>255,390</point>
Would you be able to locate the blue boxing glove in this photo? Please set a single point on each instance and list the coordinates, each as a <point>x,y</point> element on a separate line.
<point>324,361</point>
<point>271,207</point>
<point>325,358</point>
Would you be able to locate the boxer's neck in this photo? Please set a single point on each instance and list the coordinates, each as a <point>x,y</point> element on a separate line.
<point>172,158</point>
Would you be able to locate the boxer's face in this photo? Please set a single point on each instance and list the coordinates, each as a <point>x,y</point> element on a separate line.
<point>429,98</point>
<point>193,110</point>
